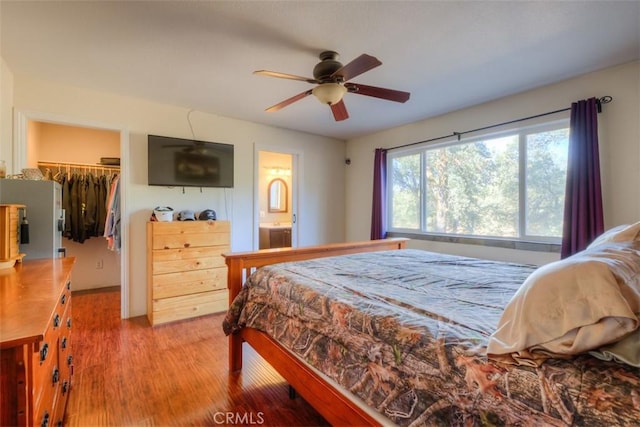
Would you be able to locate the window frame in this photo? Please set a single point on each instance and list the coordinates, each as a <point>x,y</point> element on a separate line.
<point>523,241</point>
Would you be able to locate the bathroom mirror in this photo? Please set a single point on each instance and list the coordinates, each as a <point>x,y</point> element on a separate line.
<point>277,195</point>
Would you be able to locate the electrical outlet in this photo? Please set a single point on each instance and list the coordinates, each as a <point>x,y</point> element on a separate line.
<point>99,264</point>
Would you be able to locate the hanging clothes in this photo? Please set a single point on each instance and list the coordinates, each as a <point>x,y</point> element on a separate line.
<point>102,198</point>
<point>84,199</point>
<point>90,206</point>
<point>63,179</point>
<point>112,222</point>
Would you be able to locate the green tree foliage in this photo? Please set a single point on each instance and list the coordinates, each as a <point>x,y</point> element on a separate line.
<point>546,177</point>
<point>405,197</point>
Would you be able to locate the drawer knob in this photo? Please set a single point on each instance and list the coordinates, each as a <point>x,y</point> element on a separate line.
<point>43,352</point>
<point>64,343</point>
<point>69,360</point>
<point>55,377</point>
<point>69,323</point>
<point>45,419</point>
<point>186,245</point>
<point>63,299</point>
<point>65,386</point>
<point>56,321</point>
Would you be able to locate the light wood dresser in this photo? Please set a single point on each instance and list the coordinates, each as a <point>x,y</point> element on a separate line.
<point>186,273</point>
<point>35,342</point>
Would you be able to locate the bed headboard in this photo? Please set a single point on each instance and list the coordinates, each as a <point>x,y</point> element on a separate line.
<point>241,264</point>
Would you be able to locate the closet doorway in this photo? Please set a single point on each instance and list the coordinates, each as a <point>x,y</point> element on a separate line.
<point>63,149</point>
<point>276,199</point>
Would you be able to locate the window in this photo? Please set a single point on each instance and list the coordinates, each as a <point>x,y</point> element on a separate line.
<point>504,186</point>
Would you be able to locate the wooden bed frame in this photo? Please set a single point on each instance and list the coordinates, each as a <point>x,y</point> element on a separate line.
<point>336,408</point>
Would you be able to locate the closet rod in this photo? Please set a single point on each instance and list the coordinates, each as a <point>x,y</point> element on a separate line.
<point>77,165</point>
<point>603,100</point>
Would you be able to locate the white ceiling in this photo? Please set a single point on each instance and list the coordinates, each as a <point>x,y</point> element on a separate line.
<point>201,55</point>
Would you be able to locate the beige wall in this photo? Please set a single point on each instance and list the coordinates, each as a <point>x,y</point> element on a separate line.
<point>61,143</point>
<point>321,207</point>
<point>619,145</point>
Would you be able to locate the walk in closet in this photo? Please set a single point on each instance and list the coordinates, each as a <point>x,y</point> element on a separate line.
<point>84,161</point>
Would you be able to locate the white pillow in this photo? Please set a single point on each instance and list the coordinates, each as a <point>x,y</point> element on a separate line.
<point>571,306</point>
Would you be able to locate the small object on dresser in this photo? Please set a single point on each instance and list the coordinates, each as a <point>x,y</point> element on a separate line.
<point>207,215</point>
<point>32,174</point>
<point>163,213</point>
<point>186,216</point>
<point>24,228</point>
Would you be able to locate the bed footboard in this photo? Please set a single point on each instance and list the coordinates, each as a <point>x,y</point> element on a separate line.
<point>336,408</point>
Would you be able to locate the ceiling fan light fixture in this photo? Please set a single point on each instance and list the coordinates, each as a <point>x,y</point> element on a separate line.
<point>329,93</point>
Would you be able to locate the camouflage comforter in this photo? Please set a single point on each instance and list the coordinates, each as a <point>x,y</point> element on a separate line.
<point>406,331</point>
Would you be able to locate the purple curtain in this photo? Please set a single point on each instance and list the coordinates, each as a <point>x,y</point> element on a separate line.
<point>378,210</point>
<point>583,215</point>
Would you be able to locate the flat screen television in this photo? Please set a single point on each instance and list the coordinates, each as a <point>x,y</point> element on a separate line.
<point>177,162</point>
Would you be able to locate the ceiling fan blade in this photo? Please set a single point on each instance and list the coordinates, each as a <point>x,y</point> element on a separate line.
<point>339,111</point>
<point>285,76</point>
<point>281,105</point>
<point>361,64</point>
<point>378,92</point>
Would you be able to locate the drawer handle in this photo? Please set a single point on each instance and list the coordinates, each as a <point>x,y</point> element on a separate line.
<point>43,352</point>
<point>56,321</point>
<point>69,286</point>
<point>69,360</point>
<point>55,377</point>
<point>186,245</point>
<point>63,299</point>
<point>69,323</point>
<point>64,343</point>
<point>65,387</point>
<point>45,419</point>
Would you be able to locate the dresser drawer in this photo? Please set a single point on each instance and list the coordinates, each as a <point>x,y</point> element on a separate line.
<point>176,260</point>
<point>188,282</point>
<point>190,240</point>
<point>65,350</point>
<point>190,227</point>
<point>44,365</point>
<point>187,306</point>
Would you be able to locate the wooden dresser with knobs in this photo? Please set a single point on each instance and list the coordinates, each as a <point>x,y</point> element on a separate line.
<point>186,273</point>
<point>35,342</point>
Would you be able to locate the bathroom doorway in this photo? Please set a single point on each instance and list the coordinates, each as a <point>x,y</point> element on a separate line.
<point>276,200</point>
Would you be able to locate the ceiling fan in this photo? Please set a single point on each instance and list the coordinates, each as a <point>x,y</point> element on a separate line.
<point>332,80</point>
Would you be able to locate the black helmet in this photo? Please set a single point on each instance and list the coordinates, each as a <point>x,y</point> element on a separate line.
<point>207,214</point>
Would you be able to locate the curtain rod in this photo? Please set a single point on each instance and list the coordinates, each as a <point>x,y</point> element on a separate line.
<point>603,100</point>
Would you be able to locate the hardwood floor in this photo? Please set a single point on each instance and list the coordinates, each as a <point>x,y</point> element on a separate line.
<point>127,373</point>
